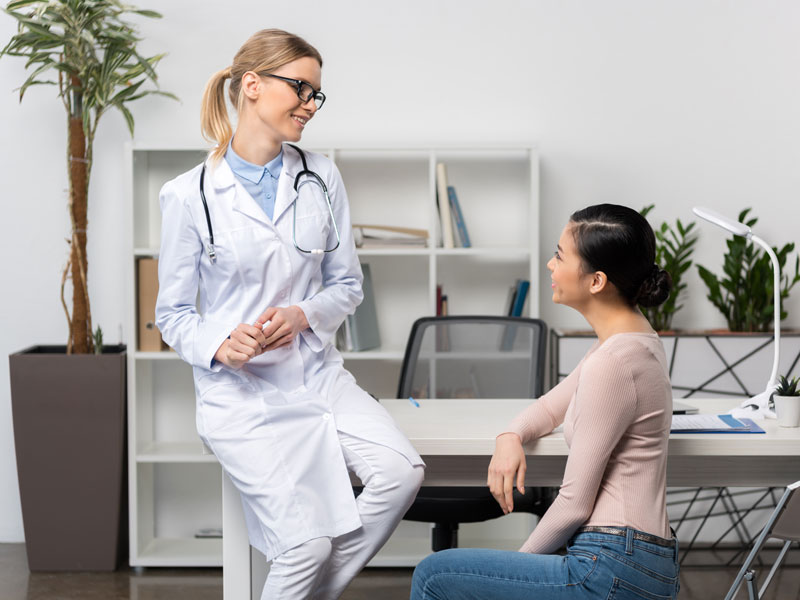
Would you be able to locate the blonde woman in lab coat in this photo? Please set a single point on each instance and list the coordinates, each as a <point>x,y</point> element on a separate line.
<point>255,314</point>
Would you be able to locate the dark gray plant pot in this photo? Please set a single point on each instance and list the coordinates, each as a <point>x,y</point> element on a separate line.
<point>69,430</point>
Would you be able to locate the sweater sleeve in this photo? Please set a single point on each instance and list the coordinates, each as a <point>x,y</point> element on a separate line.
<point>605,403</point>
<point>546,413</point>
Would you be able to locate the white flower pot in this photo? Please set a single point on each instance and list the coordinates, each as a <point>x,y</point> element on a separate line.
<point>788,410</point>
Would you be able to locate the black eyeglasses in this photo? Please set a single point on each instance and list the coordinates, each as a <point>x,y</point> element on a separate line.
<point>304,90</point>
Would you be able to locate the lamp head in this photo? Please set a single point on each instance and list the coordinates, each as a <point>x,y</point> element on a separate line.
<point>719,220</point>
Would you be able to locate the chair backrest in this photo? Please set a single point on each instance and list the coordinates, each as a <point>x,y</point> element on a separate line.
<point>474,357</point>
<point>787,520</point>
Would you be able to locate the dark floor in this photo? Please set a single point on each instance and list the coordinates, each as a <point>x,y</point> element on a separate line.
<point>17,583</point>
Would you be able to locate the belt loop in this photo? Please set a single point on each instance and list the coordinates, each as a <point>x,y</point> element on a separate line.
<point>628,540</point>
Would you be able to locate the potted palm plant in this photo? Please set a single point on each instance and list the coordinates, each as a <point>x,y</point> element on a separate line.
<point>68,402</point>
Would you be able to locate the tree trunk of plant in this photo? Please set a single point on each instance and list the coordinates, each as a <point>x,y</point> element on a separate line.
<point>80,325</point>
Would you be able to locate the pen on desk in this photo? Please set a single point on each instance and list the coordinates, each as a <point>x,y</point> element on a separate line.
<point>414,402</point>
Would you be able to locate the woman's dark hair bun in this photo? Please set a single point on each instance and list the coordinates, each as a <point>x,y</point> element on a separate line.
<point>655,288</point>
<point>619,241</point>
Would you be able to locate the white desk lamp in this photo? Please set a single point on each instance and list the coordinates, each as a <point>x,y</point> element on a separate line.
<point>758,406</point>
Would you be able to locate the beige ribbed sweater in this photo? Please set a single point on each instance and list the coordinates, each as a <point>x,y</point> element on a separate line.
<point>616,407</point>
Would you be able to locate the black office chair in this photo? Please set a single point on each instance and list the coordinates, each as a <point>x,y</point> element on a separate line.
<point>472,357</point>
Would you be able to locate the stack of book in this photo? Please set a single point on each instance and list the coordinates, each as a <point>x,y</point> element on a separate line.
<point>387,236</point>
<point>454,227</point>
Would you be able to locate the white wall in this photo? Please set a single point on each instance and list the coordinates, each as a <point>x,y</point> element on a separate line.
<point>675,103</point>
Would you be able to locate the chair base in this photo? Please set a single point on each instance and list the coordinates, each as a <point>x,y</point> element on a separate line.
<point>444,536</point>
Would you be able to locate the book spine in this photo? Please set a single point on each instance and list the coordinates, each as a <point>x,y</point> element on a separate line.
<point>458,217</point>
<point>512,298</point>
<point>522,295</point>
<point>444,206</point>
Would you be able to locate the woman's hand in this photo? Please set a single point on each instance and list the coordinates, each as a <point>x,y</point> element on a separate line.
<point>281,325</point>
<point>508,464</point>
<point>244,343</point>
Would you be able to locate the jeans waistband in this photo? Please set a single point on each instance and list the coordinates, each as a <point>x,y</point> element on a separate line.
<point>637,535</point>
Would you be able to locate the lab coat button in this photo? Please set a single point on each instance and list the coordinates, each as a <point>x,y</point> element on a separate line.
<point>326,417</point>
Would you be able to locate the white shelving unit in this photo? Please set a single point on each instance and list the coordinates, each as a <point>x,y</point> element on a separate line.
<point>175,488</point>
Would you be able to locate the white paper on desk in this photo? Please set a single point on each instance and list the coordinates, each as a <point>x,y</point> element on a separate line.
<point>694,422</point>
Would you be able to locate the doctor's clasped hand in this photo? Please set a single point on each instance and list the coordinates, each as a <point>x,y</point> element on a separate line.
<point>281,325</point>
<point>276,327</point>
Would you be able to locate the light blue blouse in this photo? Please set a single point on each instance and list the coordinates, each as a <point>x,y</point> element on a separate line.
<point>260,182</point>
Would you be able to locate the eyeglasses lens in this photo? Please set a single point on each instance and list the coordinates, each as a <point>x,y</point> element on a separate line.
<point>306,92</point>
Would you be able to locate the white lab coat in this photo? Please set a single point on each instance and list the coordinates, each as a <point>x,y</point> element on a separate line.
<point>272,424</point>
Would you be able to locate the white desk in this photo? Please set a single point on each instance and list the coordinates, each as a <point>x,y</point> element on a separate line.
<point>456,440</point>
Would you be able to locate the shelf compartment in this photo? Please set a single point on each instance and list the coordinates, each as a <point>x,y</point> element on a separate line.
<point>174,502</point>
<point>180,552</point>
<point>387,192</point>
<point>151,170</point>
<point>401,295</point>
<point>495,199</point>
<point>480,286</point>
<point>165,400</point>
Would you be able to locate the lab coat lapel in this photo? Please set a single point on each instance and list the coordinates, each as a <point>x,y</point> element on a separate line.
<point>227,187</point>
<point>286,193</point>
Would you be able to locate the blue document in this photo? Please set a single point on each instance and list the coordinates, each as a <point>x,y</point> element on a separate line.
<point>712,424</point>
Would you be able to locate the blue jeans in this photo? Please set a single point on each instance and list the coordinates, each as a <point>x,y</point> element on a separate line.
<point>597,565</point>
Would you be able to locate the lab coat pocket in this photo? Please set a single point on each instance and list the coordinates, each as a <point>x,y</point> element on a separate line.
<point>227,403</point>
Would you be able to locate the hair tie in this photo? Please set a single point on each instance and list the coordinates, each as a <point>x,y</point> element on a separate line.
<point>227,73</point>
<point>655,271</point>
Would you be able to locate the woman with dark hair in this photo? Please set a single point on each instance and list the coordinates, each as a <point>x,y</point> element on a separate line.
<point>616,408</point>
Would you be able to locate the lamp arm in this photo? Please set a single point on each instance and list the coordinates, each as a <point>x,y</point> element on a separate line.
<point>776,270</point>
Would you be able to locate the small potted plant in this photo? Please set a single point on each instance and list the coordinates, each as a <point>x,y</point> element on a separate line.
<point>787,401</point>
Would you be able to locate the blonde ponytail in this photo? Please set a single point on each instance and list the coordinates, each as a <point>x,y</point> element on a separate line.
<point>215,124</point>
<point>265,51</point>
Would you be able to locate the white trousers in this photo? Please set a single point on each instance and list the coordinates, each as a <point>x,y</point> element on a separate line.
<point>323,567</point>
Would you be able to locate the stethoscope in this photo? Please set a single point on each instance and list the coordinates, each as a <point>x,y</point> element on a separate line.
<point>312,178</point>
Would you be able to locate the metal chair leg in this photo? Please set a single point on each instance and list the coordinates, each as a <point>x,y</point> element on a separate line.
<point>752,592</point>
<point>775,567</point>
<point>745,573</point>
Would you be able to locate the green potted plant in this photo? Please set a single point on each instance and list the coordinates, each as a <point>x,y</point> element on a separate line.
<point>68,404</point>
<point>674,248</point>
<point>744,295</point>
<point>787,401</point>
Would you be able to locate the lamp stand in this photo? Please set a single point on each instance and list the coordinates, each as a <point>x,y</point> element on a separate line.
<point>758,405</point>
